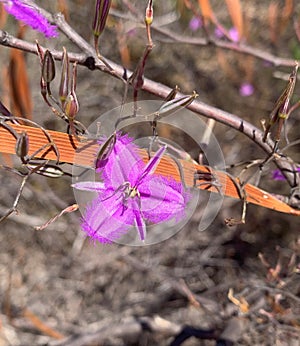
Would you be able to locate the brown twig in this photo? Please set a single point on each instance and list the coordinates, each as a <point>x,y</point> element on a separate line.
<point>41,326</point>
<point>241,48</point>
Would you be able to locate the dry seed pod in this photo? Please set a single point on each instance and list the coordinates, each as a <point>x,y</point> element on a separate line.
<point>105,150</point>
<point>280,111</point>
<point>50,171</point>
<point>172,94</point>
<point>101,12</point>
<point>48,67</point>
<point>175,104</point>
<point>64,80</point>
<point>71,104</point>
<point>22,145</point>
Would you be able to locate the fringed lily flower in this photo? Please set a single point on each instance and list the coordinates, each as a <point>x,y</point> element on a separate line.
<point>277,175</point>
<point>30,16</point>
<point>130,194</point>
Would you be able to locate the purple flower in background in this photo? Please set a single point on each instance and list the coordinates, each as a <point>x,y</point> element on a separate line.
<point>195,23</point>
<point>277,175</point>
<point>30,16</point>
<point>130,194</point>
<point>246,89</point>
<point>132,32</point>
<point>234,34</point>
<point>218,33</point>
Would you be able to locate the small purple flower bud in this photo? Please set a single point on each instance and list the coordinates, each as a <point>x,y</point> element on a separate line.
<point>246,89</point>
<point>195,23</point>
<point>30,16</point>
<point>277,175</point>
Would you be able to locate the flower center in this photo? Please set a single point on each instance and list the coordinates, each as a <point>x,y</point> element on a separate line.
<point>132,191</point>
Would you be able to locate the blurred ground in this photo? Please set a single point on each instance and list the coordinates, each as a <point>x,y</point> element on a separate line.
<point>77,287</point>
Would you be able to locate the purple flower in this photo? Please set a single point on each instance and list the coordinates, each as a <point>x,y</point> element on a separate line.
<point>195,23</point>
<point>30,16</point>
<point>246,89</point>
<point>130,194</point>
<point>277,175</point>
<point>234,34</point>
<point>219,33</point>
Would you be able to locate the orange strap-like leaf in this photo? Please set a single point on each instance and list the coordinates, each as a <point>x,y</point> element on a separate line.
<point>5,98</point>
<point>3,16</point>
<point>85,156</point>
<point>21,103</point>
<point>286,15</point>
<point>235,12</point>
<point>206,10</point>
<point>273,21</point>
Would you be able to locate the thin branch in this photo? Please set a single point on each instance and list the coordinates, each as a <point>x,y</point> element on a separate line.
<point>242,48</point>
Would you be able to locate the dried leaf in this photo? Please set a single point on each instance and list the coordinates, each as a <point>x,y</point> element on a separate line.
<point>69,209</point>
<point>3,16</point>
<point>241,303</point>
